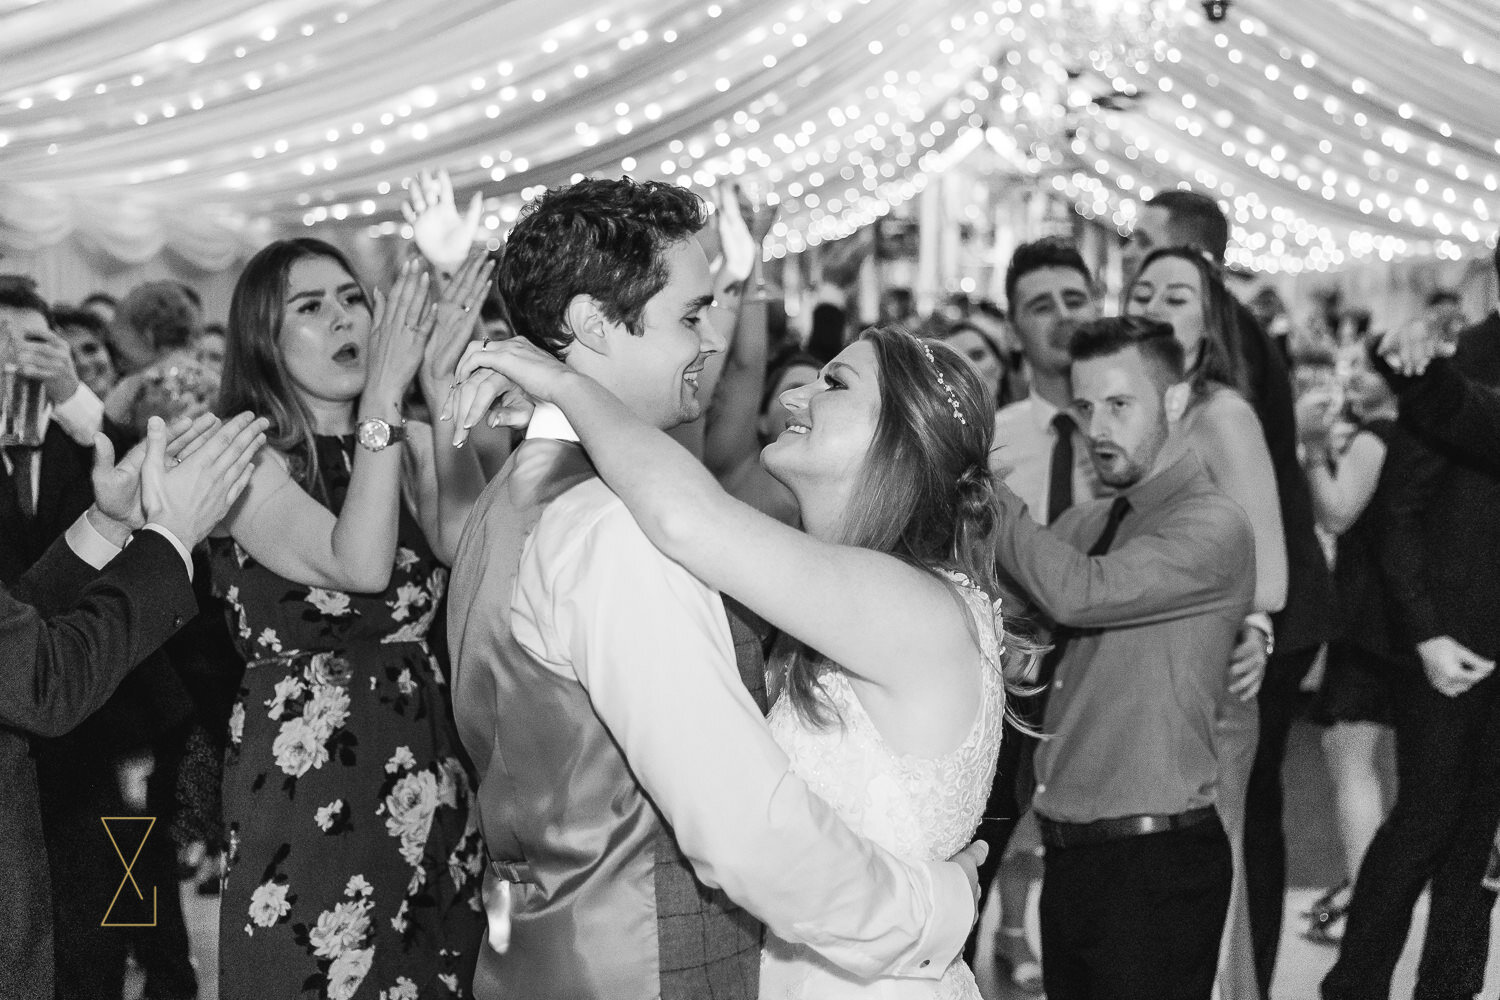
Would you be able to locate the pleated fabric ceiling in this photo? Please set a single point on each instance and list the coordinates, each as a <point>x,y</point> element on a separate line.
<point>1334,131</point>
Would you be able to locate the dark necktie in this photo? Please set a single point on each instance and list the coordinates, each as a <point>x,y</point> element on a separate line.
<point>22,470</point>
<point>1060,635</point>
<point>1060,473</point>
<point>1117,512</point>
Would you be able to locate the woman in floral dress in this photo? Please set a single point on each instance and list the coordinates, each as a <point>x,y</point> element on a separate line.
<point>353,862</point>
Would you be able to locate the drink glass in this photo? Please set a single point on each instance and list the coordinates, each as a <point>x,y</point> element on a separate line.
<point>22,399</point>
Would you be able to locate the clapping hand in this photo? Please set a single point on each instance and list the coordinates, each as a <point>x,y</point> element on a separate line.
<point>456,314</point>
<point>441,234</point>
<point>190,444</point>
<point>117,488</point>
<point>515,372</point>
<point>402,324</point>
<point>195,493</point>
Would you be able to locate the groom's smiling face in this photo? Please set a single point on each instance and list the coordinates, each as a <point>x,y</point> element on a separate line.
<point>656,371</point>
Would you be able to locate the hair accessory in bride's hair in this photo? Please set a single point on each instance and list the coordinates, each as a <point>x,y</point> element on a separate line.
<point>952,393</point>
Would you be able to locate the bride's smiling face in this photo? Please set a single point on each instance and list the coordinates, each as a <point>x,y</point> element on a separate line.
<point>832,422</point>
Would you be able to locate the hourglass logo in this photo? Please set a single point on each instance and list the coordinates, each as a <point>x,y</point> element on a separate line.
<point>150,822</point>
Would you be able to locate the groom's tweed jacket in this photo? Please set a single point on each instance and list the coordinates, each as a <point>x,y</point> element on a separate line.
<point>606,906</point>
<point>710,948</point>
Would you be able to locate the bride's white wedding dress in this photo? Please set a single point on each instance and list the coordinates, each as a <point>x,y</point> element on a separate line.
<point>923,808</point>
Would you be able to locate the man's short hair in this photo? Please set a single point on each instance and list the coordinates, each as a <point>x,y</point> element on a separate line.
<point>79,318</point>
<point>1158,345</point>
<point>598,237</point>
<point>1197,220</point>
<point>1050,251</point>
<point>19,292</point>
<point>161,313</point>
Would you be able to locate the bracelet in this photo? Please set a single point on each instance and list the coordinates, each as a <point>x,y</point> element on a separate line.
<point>1261,622</point>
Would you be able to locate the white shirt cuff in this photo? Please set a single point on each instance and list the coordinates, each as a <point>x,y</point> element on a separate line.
<point>948,930</point>
<point>90,546</point>
<point>182,550</point>
<point>81,416</point>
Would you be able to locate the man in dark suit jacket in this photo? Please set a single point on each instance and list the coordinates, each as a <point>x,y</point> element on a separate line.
<point>1441,562</point>
<point>69,636</point>
<point>42,491</point>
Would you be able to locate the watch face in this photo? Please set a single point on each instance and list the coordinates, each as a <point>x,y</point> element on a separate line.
<point>374,434</point>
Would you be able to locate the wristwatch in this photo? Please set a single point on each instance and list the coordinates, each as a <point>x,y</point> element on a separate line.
<point>375,434</point>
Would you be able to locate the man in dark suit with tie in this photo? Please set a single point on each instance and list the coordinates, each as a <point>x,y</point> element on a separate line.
<point>69,634</point>
<point>1149,589</point>
<point>1440,560</point>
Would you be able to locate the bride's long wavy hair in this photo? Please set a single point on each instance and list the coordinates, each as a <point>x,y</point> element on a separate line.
<point>926,495</point>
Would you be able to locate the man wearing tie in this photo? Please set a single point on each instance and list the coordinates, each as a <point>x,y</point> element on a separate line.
<point>1050,292</point>
<point>1040,454</point>
<point>1149,588</point>
<point>46,486</point>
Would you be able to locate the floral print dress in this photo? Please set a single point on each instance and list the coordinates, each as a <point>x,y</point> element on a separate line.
<point>354,860</point>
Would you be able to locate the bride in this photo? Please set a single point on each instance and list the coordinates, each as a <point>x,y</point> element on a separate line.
<point>890,697</point>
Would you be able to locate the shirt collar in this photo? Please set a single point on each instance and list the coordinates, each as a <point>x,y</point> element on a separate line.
<point>1165,483</point>
<point>547,421</point>
<point>1042,411</point>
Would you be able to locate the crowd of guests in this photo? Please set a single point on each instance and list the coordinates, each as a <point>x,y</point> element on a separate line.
<point>1176,514</point>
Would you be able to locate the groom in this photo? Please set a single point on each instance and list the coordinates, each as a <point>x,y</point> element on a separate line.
<point>630,793</point>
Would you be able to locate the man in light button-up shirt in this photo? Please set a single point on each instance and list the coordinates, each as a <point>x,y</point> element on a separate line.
<point>596,689</point>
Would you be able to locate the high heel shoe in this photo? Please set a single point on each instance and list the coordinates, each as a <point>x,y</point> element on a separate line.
<point>1325,918</point>
<point>1025,973</point>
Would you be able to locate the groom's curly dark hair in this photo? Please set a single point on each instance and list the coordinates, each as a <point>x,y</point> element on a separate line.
<point>603,238</point>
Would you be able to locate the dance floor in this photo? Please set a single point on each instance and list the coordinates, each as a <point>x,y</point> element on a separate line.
<point>1313,864</point>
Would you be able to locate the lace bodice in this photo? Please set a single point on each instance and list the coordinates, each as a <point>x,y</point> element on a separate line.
<point>916,807</point>
<point>920,808</point>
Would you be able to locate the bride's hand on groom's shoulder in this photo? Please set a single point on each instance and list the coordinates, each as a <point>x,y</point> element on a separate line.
<point>505,379</point>
<point>969,859</point>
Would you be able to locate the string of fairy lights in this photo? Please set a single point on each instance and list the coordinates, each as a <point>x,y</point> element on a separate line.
<point>311,112</point>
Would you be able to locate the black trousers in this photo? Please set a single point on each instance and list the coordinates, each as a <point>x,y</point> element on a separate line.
<point>1265,835</point>
<point>1439,831</point>
<point>1136,919</point>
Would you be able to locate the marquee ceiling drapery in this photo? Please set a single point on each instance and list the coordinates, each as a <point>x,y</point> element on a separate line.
<point>1334,131</point>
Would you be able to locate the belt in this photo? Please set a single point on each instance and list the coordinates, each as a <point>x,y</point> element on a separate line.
<point>1056,834</point>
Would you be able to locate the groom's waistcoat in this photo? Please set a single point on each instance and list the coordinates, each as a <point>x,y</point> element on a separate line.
<point>608,907</point>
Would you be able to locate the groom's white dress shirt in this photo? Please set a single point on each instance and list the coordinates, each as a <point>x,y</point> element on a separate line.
<point>595,601</point>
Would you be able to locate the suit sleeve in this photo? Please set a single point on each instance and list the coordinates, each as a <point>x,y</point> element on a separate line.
<point>1416,472</point>
<point>60,665</point>
<point>652,646</point>
<point>1452,408</point>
